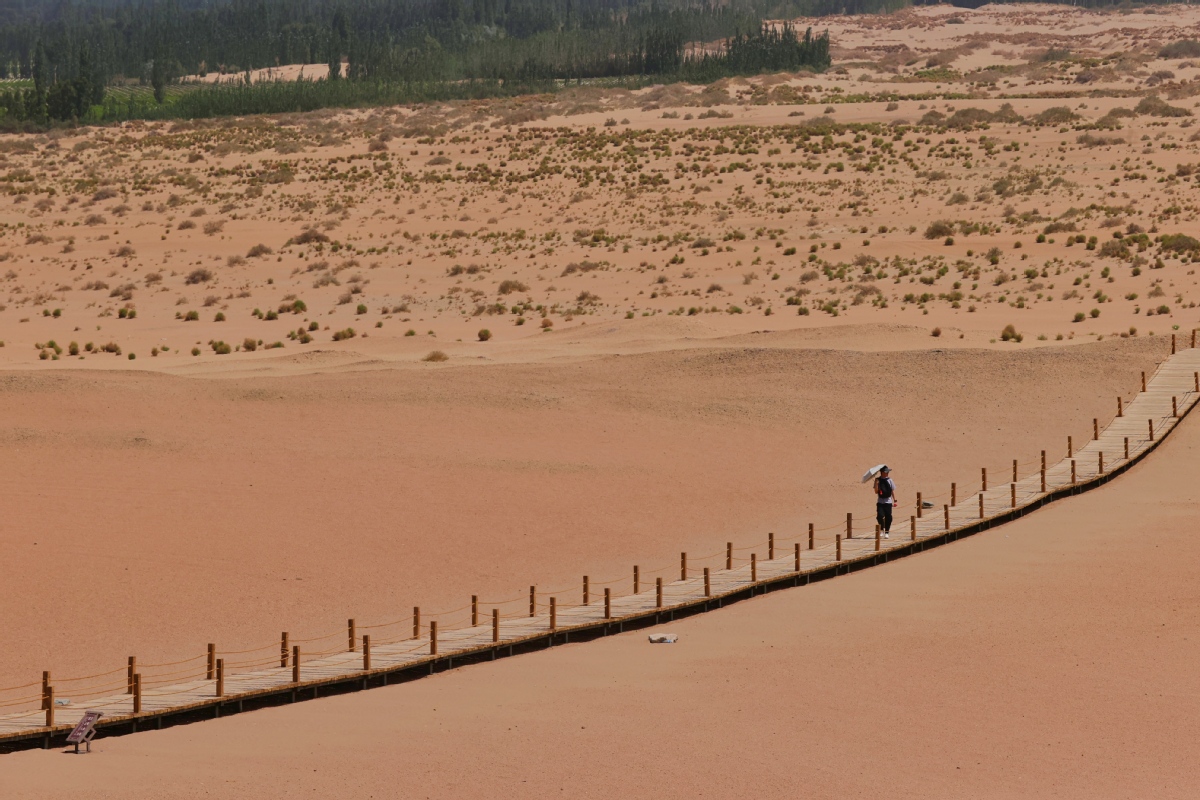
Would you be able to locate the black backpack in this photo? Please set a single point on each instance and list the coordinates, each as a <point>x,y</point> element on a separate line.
<point>885,488</point>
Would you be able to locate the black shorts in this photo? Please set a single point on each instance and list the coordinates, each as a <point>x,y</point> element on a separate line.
<point>883,515</point>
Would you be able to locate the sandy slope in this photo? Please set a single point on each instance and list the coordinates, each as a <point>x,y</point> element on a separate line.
<point>1053,657</point>
<point>183,511</point>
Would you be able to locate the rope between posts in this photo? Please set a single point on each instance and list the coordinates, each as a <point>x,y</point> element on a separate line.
<point>89,677</point>
<point>22,700</point>
<point>23,686</point>
<point>172,663</point>
<point>224,653</point>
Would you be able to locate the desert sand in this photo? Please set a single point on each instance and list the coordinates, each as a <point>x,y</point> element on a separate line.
<point>245,390</point>
<point>1051,657</point>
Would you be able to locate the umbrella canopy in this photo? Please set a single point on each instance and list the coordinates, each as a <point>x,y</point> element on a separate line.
<point>872,472</point>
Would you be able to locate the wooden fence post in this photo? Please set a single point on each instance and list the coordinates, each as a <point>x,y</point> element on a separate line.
<point>658,592</point>
<point>607,603</point>
<point>1120,407</point>
<point>495,625</point>
<point>954,494</point>
<point>587,591</point>
<point>295,663</point>
<point>1143,381</point>
<point>211,672</point>
<point>1174,407</point>
<point>137,693</point>
<point>220,677</point>
<point>849,526</point>
<point>1193,338</point>
<point>708,585</point>
<point>754,567</point>
<point>48,702</point>
<point>416,622</point>
<point>1101,463</point>
<point>474,610</point>
<point>946,508</point>
<point>351,638</point>
<point>1095,428</point>
<point>1150,425</point>
<point>1043,471</point>
<point>532,601</point>
<point>729,555</point>
<point>283,649</point>
<point>920,506</point>
<point>811,536</point>
<point>983,478</point>
<point>366,652</point>
<point>637,580</point>
<point>553,614</point>
<point>797,561</point>
<point>1015,479</point>
<point>1126,448</point>
<point>981,505</point>
<point>1196,381</point>
<point>876,538</point>
<point>913,525</point>
<point>45,687</point>
<point>433,637</point>
<point>1172,344</point>
<point>1070,447</point>
<point>1073,472</point>
<point>770,546</point>
<point>130,671</point>
<point>683,566</point>
<point>1013,491</point>
<point>839,547</point>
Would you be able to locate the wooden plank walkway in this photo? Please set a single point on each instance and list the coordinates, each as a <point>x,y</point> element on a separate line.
<point>265,676</point>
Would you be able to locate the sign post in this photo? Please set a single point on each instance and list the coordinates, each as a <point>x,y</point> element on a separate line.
<point>85,730</point>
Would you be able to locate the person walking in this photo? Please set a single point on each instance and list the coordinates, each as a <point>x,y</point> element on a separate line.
<point>885,500</point>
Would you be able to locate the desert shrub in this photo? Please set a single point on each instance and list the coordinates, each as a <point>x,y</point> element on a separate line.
<point>214,227</point>
<point>484,334</point>
<point>1180,243</point>
<point>342,335</point>
<point>936,332</point>
<point>309,236</point>
<point>1091,140</point>
<point>435,356</point>
<point>235,261</point>
<point>187,224</point>
<point>510,286</point>
<point>1155,106</point>
<point>938,229</point>
<point>1184,48</point>
<point>191,316</point>
<point>259,250</point>
<point>198,275</point>
<point>582,266</point>
<point>1079,316</point>
<point>93,219</point>
<point>1056,115</point>
<point>220,348</point>
<point>1009,334</point>
<point>249,344</point>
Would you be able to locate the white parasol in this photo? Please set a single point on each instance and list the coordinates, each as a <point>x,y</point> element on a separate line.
<point>872,472</point>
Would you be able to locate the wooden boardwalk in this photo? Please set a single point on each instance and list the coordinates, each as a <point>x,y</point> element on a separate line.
<point>146,696</point>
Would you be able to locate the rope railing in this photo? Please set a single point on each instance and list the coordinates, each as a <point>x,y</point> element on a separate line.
<point>741,565</point>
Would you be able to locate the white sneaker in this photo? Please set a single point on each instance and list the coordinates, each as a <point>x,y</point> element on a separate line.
<point>885,534</point>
